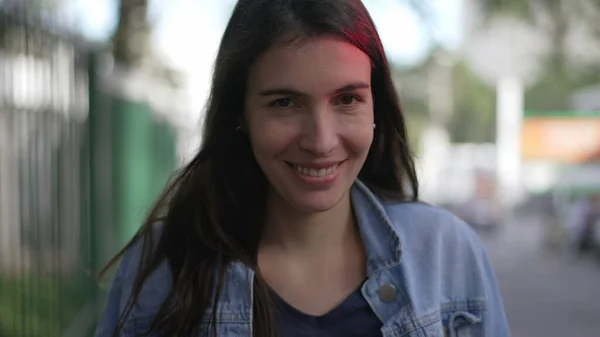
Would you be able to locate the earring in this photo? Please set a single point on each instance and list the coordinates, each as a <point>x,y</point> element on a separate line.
<point>374,125</point>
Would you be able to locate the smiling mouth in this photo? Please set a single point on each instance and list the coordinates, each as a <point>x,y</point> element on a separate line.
<point>315,172</point>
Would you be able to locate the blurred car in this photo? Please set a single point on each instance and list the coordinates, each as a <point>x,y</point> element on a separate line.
<point>576,208</point>
<point>589,237</point>
<point>596,236</point>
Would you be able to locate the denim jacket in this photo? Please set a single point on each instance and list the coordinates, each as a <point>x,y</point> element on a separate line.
<point>427,276</point>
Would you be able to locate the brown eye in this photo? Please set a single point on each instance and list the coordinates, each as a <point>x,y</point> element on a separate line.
<point>283,103</point>
<point>347,100</point>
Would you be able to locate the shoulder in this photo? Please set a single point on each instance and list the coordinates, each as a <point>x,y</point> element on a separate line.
<point>444,259</point>
<point>158,283</point>
<point>418,225</point>
<point>433,239</point>
<point>424,220</point>
<point>435,232</point>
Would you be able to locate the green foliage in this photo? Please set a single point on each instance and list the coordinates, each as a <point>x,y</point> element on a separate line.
<point>39,306</point>
<point>417,118</point>
<point>552,92</point>
<point>514,8</point>
<point>414,104</point>
<point>131,40</point>
<point>474,118</point>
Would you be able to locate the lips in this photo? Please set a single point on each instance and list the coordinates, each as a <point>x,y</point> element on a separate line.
<point>315,171</point>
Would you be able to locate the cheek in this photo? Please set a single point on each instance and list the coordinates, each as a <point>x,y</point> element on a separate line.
<point>268,141</point>
<point>359,140</point>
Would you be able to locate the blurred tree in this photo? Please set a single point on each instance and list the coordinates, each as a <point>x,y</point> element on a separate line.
<point>564,73</point>
<point>24,24</point>
<point>131,45</point>
<point>555,17</point>
<point>411,83</point>
<point>474,117</point>
<point>31,6</point>
<point>131,41</point>
<point>473,103</point>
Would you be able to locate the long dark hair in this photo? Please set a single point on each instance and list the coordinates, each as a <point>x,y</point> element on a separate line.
<point>212,211</point>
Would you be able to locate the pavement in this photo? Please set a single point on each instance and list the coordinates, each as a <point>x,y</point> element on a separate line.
<point>546,293</point>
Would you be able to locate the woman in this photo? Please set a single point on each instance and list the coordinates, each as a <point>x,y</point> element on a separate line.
<point>298,216</point>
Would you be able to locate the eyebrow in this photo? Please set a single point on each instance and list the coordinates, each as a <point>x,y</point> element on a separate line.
<point>293,92</point>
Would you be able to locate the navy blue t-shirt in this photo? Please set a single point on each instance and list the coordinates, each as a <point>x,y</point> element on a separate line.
<point>352,318</point>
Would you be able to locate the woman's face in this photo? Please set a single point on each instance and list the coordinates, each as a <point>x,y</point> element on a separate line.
<point>309,116</point>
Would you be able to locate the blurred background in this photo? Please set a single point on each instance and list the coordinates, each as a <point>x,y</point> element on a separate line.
<point>100,100</point>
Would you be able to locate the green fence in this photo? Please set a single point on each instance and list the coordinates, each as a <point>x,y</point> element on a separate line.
<point>78,169</point>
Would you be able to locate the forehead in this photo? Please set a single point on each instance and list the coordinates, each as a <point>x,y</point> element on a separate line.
<point>311,65</point>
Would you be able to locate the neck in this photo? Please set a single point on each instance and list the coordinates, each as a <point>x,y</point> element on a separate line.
<point>295,233</point>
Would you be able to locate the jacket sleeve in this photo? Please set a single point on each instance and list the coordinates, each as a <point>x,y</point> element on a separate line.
<point>112,310</point>
<point>152,294</point>
<point>495,323</point>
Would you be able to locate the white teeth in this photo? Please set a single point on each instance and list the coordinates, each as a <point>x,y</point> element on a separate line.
<point>316,173</point>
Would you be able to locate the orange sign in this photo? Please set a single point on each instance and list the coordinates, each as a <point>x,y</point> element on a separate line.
<point>568,140</point>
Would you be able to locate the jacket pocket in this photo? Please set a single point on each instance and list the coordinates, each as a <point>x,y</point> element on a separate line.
<point>463,322</point>
<point>407,325</point>
<point>455,319</point>
<point>450,324</point>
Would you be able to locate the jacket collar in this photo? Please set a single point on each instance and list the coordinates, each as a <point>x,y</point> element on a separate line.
<point>382,245</point>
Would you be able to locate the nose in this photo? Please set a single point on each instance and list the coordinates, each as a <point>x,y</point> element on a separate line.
<point>320,136</point>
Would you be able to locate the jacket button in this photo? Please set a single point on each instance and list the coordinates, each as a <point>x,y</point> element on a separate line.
<point>388,292</point>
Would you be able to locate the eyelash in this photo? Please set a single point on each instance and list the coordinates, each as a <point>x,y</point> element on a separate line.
<point>274,103</point>
<point>354,97</point>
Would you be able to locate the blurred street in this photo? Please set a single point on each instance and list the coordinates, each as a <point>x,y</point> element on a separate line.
<point>547,294</point>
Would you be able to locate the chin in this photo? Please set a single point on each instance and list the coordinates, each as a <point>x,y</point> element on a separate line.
<point>310,204</point>
<point>314,208</point>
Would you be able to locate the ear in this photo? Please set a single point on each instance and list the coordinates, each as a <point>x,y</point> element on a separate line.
<point>242,126</point>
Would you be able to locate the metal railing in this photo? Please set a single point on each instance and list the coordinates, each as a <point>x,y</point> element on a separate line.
<point>80,163</point>
<point>45,230</point>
